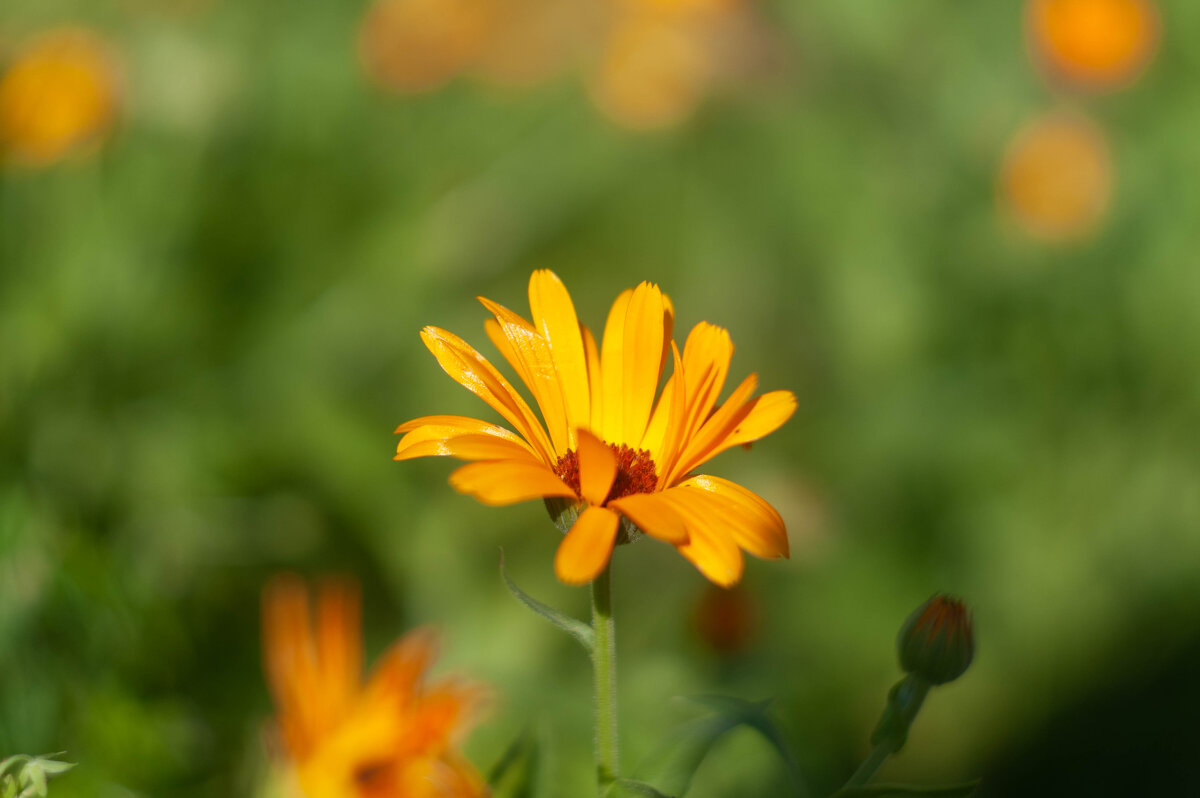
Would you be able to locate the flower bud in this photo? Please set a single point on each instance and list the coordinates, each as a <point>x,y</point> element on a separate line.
<point>937,641</point>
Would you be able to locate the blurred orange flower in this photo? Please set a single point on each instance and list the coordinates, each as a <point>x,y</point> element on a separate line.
<point>608,451</point>
<point>413,46</point>
<point>390,738</point>
<point>1056,178</point>
<point>662,57</point>
<point>60,93</point>
<point>1094,43</point>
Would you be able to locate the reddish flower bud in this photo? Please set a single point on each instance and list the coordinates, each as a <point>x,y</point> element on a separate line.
<point>937,641</point>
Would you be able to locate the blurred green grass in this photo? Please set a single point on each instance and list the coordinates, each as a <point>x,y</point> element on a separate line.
<point>209,332</point>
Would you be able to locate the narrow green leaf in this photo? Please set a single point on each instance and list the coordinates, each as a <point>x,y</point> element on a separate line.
<point>632,787</point>
<point>900,790</point>
<point>679,756</point>
<point>754,714</point>
<point>572,626</point>
<point>515,774</point>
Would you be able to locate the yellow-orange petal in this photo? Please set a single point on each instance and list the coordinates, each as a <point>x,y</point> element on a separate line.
<point>339,644</point>
<point>501,482</point>
<point>471,370</point>
<point>753,523</point>
<point>706,357</point>
<point>595,386</point>
<point>653,515</point>
<point>530,355</point>
<point>456,425</point>
<point>672,405</point>
<point>764,414</point>
<point>597,467</point>
<point>587,547</point>
<point>459,436</point>
<point>398,672</point>
<point>289,659</point>
<point>612,368</point>
<point>715,430</point>
<point>553,315</point>
<point>710,546</point>
<point>467,447</point>
<point>642,360</point>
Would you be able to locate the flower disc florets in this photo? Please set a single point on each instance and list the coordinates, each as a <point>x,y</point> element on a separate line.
<point>635,471</point>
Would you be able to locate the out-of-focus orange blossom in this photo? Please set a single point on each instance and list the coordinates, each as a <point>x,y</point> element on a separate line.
<point>414,46</point>
<point>1094,43</point>
<point>653,73</point>
<point>662,57</point>
<point>649,62</point>
<point>394,735</point>
<point>534,40</point>
<point>60,94</point>
<point>1057,177</point>
<point>726,619</point>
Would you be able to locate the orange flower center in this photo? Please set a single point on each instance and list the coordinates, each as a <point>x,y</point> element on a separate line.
<point>635,471</point>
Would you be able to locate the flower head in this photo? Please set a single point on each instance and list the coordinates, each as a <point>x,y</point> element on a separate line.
<point>937,642</point>
<point>59,94</point>
<point>1095,44</point>
<point>611,445</point>
<point>390,738</point>
<point>1057,177</point>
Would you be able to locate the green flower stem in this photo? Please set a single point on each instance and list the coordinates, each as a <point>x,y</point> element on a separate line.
<point>904,702</point>
<point>604,666</point>
<point>867,769</point>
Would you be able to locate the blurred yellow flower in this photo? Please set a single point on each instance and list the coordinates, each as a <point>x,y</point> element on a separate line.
<point>1094,43</point>
<point>1056,178</point>
<point>608,450</point>
<point>390,738</point>
<point>60,93</point>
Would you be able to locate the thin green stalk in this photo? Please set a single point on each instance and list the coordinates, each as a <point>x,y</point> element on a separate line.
<point>904,702</point>
<point>604,665</point>
<point>869,765</point>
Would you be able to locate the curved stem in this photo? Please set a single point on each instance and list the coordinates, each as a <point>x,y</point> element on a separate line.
<point>604,666</point>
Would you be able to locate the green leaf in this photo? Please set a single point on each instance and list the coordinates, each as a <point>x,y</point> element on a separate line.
<point>622,788</point>
<point>754,714</point>
<point>900,790</point>
<point>572,626</point>
<point>680,755</point>
<point>515,774</point>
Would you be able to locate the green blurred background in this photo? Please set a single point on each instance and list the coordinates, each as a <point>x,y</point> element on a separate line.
<point>208,331</point>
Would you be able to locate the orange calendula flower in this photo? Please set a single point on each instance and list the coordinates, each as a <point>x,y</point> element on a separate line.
<point>1094,43</point>
<point>390,738</point>
<point>1057,177</point>
<point>60,93</point>
<point>608,448</point>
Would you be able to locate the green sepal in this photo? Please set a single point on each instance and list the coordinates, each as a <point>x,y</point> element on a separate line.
<point>572,626</point>
<point>900,790</point>
<point>903,703</point>
<point>632,788</point>
<point>565,512</point>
